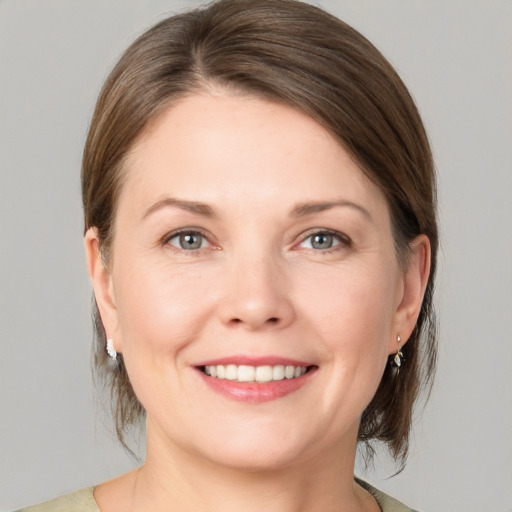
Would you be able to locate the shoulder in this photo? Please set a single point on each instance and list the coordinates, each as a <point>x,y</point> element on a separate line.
<point>78,501</point>
<point>386,502</point>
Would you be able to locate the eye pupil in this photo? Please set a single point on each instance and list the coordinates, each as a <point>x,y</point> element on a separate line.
<point>191,240</point>
<point>322,241</point>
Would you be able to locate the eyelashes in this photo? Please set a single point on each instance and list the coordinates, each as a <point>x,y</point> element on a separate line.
<point>318,240</point>
<point>189,240</point>
<point>325,240</point>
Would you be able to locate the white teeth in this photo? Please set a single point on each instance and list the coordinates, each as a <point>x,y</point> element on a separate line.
<point>246,373</point>
<point>231,372</point>
<point>263,374</point>
<point>278,372</point>
<point>289,372</point>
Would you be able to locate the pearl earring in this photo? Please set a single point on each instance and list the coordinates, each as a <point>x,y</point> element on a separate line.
<point>110,349</point>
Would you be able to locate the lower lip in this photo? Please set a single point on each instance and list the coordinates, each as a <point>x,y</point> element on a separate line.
<point>252,392</point>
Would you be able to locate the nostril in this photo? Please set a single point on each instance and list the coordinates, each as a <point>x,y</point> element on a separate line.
<point>273,320</point>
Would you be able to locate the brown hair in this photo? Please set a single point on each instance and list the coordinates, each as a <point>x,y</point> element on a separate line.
<point>294,53</point>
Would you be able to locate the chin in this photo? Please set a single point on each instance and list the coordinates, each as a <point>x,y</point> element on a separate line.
<point>264,458</point>
<point>260,448</point>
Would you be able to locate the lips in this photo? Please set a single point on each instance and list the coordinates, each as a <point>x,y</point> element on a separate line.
<point>255,380</point>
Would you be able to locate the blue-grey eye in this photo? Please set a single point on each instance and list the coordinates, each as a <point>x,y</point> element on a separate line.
<point>322,240</point>
<point>189,241</point>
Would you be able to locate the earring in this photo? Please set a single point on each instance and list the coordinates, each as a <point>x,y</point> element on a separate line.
<point>110,349</point>
<point>397,360</point>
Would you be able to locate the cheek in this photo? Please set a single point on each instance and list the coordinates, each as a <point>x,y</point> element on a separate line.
<point>160,313</point>
<point>354,313</point>
<point>359,299</point>
<point>160,309</point>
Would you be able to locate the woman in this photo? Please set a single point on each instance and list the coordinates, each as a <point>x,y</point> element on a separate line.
<point>261,238</point>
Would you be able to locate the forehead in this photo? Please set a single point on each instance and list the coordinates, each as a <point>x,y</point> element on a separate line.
<point>221,148</point>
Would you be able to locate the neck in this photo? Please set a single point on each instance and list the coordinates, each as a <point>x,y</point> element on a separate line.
<point>172,475</point>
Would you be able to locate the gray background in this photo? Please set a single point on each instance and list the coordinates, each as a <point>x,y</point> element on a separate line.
<point>456,56</point>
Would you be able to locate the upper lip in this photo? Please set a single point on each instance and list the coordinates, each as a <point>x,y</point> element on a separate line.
<point>254,361</point>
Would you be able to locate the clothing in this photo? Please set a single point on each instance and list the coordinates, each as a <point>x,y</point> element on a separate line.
<point>83,501</point>
<point>386,502</point>
<point>78,501</point>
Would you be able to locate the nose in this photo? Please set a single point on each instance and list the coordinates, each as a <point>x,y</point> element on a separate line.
<point>256,295</point>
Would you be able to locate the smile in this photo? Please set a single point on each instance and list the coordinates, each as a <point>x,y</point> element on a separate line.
<point>259,374</point>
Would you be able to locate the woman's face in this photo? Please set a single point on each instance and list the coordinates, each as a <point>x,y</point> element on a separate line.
<point>249,245</point>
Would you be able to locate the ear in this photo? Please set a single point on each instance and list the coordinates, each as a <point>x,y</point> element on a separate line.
<point>415,279</point>
<point>102,283</point>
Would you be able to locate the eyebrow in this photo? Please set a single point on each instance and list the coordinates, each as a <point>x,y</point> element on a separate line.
<point>305,209</point>
<point>300,210</point>
<point>189,206</point>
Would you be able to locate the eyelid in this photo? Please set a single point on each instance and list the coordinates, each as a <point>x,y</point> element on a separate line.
<point>344,240</point>
<point>165,241</point>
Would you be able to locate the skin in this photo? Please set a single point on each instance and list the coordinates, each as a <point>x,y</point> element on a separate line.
<point>257,286</point>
